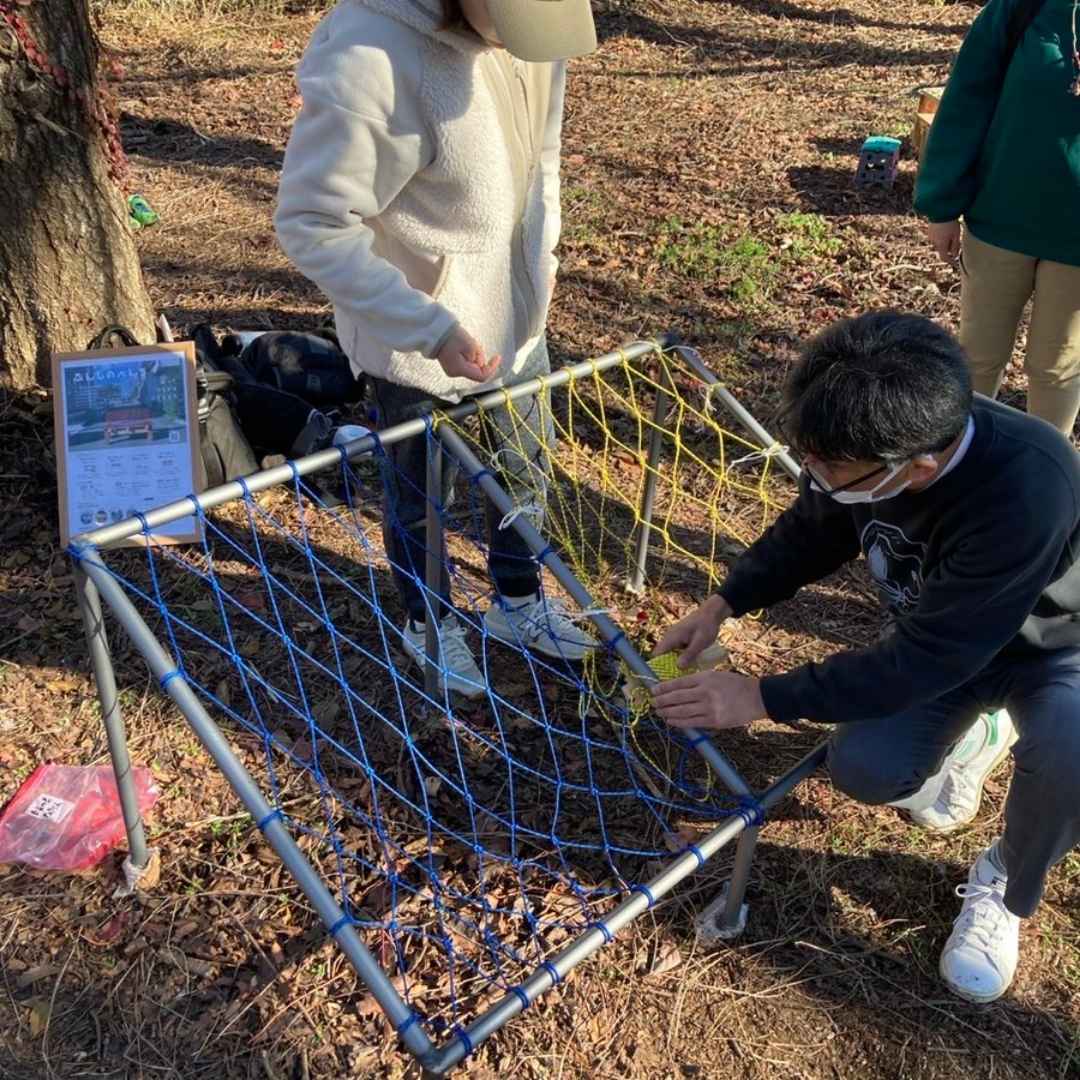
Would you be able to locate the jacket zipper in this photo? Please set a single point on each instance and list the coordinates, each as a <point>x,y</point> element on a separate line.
<point>532,301</point>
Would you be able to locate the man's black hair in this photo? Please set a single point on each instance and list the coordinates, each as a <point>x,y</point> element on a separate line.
<point>884,386</point>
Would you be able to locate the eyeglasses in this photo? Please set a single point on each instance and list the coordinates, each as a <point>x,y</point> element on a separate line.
<point>778,423</point>
<point>816,477</point>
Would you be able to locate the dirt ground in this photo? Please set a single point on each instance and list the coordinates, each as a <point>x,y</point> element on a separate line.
<point>708,161</point>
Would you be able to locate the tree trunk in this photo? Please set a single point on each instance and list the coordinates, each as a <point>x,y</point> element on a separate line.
<point>68,262</point>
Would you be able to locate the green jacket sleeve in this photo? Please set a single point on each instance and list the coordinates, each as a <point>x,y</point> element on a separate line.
<point>947,177</point>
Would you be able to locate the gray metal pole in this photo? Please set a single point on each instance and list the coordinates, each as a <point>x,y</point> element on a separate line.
<point>594,939</point>
<point>743,415</point>
<point>609,631</point>
<point>281,474</point>
<point>656,444</point>
<point>433,575</point>
<point>740,878</point>
<point>268,820</point>
<point>101,660</point>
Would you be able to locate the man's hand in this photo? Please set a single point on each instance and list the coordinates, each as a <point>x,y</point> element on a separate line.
<point>696,632</point>
<point>462,357</point>
<point>945,238</point>
<point>710,699</point>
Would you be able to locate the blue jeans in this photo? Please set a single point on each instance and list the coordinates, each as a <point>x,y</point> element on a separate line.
<point>517,442</point>
<point>887,759</point>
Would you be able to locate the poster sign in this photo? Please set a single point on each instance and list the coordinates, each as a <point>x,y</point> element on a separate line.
<point>126,436</point>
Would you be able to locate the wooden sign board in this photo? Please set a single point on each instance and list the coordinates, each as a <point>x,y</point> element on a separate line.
<point>127,437</point>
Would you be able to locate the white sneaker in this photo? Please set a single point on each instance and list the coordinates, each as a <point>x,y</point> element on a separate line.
<point>979,959</point>
<point>960,792</point>
<point>539,624</point>
<point>457,668</point>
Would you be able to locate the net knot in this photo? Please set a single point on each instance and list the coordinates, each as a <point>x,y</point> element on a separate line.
<point>766,454</point>
<point>412,1018</point>
<point>463,1035</point>
<point>274,815</point>
<point>509,519</point>
<point>168,677</point>
<point>553,972</point>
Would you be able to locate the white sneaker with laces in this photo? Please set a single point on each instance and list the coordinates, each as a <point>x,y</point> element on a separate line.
<point>979,959</point>
<point>457,668</point>
<point>960,793</point>
<point>543,625</point>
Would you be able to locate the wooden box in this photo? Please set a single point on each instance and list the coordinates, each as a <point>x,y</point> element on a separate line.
<point>929,98</point>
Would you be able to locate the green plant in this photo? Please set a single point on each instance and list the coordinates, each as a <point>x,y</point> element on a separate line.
<point>807,236</point>
<point>583,217</point>
<point>701,251</point>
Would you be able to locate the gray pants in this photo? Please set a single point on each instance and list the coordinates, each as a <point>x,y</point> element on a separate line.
<point>884,760</point>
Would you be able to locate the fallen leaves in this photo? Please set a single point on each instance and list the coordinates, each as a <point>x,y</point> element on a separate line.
<point>110,931</point>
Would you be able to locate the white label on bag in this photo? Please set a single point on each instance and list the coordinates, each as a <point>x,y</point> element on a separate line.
<point>50,808</point>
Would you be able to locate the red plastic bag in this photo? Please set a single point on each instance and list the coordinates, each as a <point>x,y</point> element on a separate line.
<point>67,817</point>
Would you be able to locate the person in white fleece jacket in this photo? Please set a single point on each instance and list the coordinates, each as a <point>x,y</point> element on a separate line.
<point>420,192</point>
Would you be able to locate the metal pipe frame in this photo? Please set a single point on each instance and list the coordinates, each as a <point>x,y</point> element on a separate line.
<point>718,390</point>
<point>435,1060</point>
<point>264,815</point>
<point>323,459</point>
<point>592,940</point>
<point>96,583</point>
<point>609,630</point>
<point>740,878</point>
<point>105,679</point>
<point>636,583</point>
<point>433,571</point>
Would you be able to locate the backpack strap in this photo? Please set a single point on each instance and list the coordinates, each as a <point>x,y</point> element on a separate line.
<point>101,340</point>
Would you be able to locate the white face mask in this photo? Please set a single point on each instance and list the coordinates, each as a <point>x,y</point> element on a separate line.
<point>871,495</point>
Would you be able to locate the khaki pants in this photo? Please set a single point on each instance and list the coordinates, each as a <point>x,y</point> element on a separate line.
<point>996,286</point>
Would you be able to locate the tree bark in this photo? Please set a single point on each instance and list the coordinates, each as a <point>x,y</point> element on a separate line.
<point>68,261</point>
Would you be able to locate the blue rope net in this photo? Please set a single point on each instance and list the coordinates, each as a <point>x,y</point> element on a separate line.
<point>468,839</point>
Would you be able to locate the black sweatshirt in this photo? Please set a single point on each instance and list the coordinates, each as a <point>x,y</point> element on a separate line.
<point>983,561</point>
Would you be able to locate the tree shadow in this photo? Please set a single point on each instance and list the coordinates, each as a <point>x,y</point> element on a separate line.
<point>170,142</point>
<point>837,145</point>
<point>831,191</point>
<point>858,936</point>
<point>839,17</point>
<point>718,51</point>
<point>289,296</point>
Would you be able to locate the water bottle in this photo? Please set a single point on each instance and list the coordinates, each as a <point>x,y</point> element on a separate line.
<point>348,433</point>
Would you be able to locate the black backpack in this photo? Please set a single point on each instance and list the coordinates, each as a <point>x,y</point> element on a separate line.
<point>241,417</point>
<point>311,366</point>
<point>246,417</point>
<point>226,452</point>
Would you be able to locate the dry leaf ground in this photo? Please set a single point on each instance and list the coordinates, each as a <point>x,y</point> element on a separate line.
<point>708,158</point>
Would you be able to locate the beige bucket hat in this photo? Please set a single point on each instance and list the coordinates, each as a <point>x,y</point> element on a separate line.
<point>541,31</point>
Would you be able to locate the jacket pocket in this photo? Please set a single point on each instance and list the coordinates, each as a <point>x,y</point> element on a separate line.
<point>439,287</point>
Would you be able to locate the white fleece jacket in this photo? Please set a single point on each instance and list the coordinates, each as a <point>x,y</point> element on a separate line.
<point>421,189</point>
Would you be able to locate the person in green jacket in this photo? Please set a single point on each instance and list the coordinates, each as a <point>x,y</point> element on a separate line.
<point>1004,155</point>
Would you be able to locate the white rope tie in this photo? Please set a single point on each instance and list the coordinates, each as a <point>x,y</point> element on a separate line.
<point>509,519</point>
<point>761,455</point>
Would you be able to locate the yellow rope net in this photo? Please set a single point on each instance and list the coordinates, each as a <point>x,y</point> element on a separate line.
<point>577,461</point>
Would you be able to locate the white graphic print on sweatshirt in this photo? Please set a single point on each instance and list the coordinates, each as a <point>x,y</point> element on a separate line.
<point>895,563</point>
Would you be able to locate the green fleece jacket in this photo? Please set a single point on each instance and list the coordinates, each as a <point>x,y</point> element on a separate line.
<point>1004,147</point>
